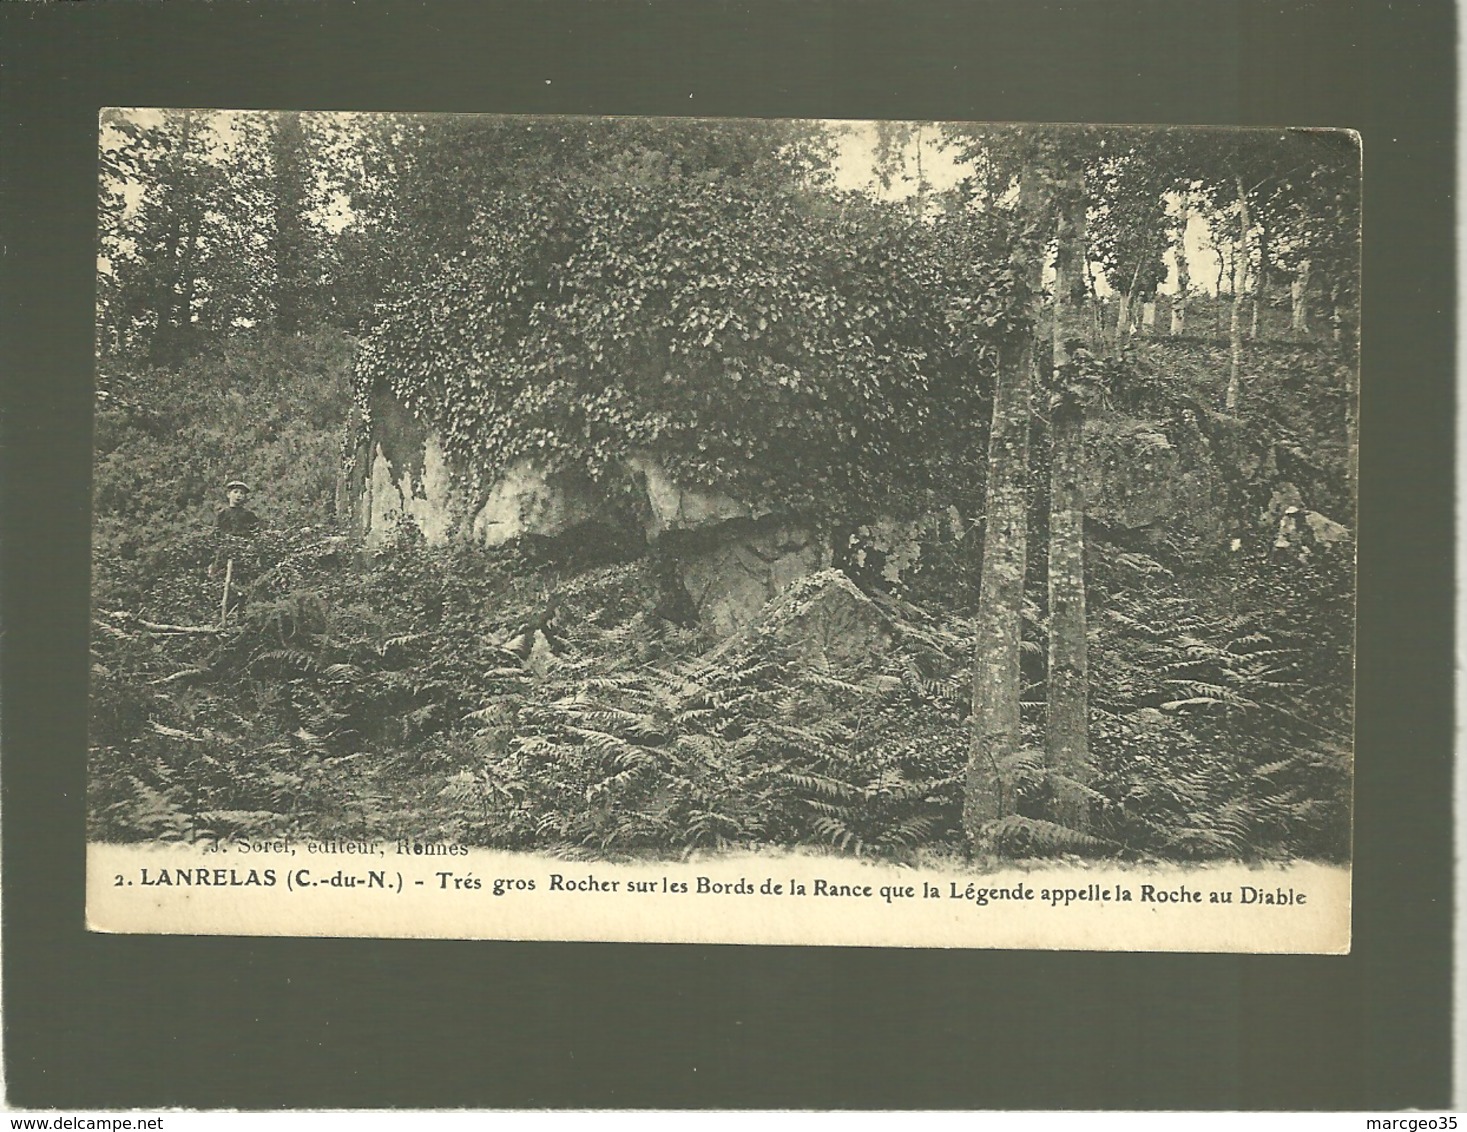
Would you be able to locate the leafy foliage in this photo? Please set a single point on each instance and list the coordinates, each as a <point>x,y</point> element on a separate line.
<point>638,744</point>
<point>1222,727</point>
<point>800,351</point>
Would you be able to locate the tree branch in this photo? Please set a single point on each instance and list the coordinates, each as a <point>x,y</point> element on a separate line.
<point>154,626</point>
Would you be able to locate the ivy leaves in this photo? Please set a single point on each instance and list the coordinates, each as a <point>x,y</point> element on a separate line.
<point>755,337</point>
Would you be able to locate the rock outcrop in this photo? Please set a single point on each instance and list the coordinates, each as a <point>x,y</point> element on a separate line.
<point>728,556</point>
<point>719,560</point>
<point>405,475</point>
<point>1148,477</point>
<point>1132,473</point>
<point>675,507</point>
<point>527,500</point>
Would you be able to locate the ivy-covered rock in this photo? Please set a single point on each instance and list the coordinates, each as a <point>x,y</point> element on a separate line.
<point>816,354</point>
<point>528,500</point>
<point>729,557</point>
<point>672,506</point>
<point>420,490</point>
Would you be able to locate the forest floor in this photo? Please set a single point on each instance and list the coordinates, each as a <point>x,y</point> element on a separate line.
<point>372,696</point>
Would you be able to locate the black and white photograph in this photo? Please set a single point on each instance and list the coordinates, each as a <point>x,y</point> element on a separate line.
<point>908,533</point>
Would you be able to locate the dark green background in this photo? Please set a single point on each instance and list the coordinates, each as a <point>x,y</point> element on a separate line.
<point>94,1021</point>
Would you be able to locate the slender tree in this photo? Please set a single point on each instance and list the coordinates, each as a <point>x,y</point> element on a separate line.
<point>1299,299</point>
<point>290,243</point>
<point>185,229</point>
<point>1235,308</point>
<point>1184,270</point>
<point>1067,721</point>
<point>1258,325</point>
<point>996,724</point>
<point>178,204</point>
<point>1130,177</point>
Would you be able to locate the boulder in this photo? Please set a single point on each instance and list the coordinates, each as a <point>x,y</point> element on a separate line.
<point>825,619</point>
<point>1297,530</point>
<point>1132,473</point>
<point>405,473</point>
<point>525,500</point>
<point>730,556</point>
<point>1285,497</point>
<point>1325,530</point>
<point>1301,534</point>
<point>732,576</point>
<point>419,488</point>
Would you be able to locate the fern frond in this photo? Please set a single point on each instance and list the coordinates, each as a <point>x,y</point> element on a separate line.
<point>1036,836</point>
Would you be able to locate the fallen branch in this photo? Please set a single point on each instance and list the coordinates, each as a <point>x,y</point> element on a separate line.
<point>175,733</point>
<point>154,626</point>
<point>187,672</point>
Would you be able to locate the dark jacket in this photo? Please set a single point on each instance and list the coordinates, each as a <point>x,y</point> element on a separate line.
<point>238,522</point>
<point>235,541</point>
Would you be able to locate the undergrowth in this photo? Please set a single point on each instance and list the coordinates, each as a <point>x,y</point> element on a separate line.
<point>502,699</point>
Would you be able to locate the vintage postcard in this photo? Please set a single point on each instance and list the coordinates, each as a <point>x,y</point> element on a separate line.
<point>917,534</point>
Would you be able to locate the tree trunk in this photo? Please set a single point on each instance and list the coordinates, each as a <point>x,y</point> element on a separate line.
<point>1148,317</point>
<point>1097,329</point>
<point>1235,325</point>
<point>1184,277</point>
<point>1123,316</point>
<point>289,241</point>
<point>190,277</point>
<point>1067,746</point>
<point>1260,288</point>
<point>1222,268</point>
<point>996,729</point>
<point>1299,293</point>
<point>183,205</point>
<point>921,202</point>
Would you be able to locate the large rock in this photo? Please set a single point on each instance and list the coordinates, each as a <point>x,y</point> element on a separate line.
<point>1285,497</point>
<point>1325,531</point>
<point>675,507</point>
<point>527,500</point>
<point>729,555</point>
<point>825,619</point>
<point>1172,479</point>
<point>407,477</point>
<point>1132,473</point>
<point>730,578</point>
<point>1302,534</point>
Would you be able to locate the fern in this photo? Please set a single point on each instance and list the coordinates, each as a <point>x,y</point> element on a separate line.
<point>1019,836</point>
